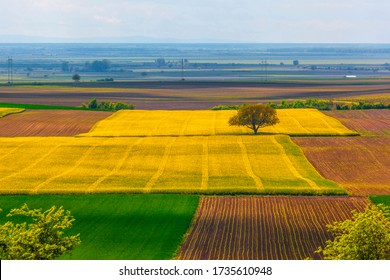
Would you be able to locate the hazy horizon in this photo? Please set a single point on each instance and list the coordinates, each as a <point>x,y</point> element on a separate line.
<point>201,21</point>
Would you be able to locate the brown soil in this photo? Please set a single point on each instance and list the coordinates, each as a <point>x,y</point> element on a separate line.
<point>269,228</point>
<point>186,95</point>
<point>49,123</point>
<point>365,122</point>
<point>361,165</point>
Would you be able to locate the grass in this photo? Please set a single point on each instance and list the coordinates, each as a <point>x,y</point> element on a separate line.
<point>184,122</point>
<point>199,164</point>
<point>119,227</point>
<point>377,199</point>
<point>43,107</point>
<point>7,111</point>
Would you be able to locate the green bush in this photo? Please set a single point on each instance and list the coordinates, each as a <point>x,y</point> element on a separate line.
<point>108,105</point>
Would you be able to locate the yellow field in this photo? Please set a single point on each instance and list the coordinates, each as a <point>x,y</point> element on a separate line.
<point>180,123</point>
<point>213,164</point>
<point>7,111</point>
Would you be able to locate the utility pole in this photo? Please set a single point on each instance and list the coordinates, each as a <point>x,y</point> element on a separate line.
<point>182,69</point>
<point>264,63</point>
<point>10,71</point>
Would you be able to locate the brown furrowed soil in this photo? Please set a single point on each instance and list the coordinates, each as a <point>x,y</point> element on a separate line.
<point>49,123</point>
<point>269,228</point>
<point>365,122</point>
<point>360,165</point>
<point>185,95</point>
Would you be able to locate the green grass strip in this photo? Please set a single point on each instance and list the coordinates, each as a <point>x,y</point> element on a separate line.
<point>115,227</point>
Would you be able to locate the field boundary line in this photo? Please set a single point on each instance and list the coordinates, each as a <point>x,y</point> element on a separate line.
<point>116,168</point>
<point>291,167</point>
<point>298,123</point>
<point>184,127</point>
<point>77,164</point>
<point>205,165</point>
<point>14,149</point>
<point>97,123</point>
<point>248,166</point>
<point>32,165</point>
<point>323,120</point>
<point>149,185</point>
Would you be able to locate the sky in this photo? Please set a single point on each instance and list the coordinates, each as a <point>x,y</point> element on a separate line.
<point>251,21</point>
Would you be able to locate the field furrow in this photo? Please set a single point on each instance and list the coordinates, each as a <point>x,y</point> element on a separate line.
<point>49,122</point>
<point>361,165</point>
<point>285,228</point>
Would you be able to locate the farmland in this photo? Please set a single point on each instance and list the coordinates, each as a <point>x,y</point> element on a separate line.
<point>361,165</point>
<point>214,164</point>
<point>180,123</point>
<point>7,111</point>
<point>117,227</point>
<point>271,228</point>
<point>366,123</point>
<point>192,95</point>
<point>49,123</point>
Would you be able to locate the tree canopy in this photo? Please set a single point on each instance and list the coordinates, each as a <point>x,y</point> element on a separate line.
<point>40,239</point>
<point>365,237</point>
<point>255,116</point>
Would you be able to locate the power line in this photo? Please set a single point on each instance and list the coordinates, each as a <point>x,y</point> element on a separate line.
<point>10,71</point>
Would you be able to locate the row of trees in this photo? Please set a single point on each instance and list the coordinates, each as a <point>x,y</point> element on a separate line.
<point>107,105</point>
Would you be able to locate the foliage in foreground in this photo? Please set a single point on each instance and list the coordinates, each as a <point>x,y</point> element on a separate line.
<point>108,106</point>
<point>41,239</point>
<point>365,237</point>
<point>255,116</point>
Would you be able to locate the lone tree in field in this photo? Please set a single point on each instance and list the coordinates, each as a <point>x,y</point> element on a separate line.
<point>365,237</point>
<point>42,238</point>
<point>76,77</point>
<point>255,116</point>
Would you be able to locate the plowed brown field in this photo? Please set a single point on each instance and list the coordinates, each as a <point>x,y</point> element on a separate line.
<point>187,95</point>
<point>49,123</point>
<point>365,122</point>
<point>272,228</point>
<point>361,165</point>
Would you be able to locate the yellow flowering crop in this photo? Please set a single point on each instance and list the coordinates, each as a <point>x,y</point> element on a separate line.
<point>199,164</point>
<point>7,111</point>
<point>186,122</point>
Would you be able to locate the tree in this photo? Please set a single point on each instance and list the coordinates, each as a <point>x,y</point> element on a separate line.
<point>41,239</point>
<point>365,237</point>
<point>255,116</point>
<point>76,77</point>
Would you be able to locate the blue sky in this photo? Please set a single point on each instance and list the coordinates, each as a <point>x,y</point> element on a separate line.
<point>274,21</point>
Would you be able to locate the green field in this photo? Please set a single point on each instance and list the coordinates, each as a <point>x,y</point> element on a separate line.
<point>377,199</point>
<point>128,227</point>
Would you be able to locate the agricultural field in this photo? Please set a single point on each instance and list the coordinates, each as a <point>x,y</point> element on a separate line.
<point>193,95</point>
<point>119,227</point>
<point>209,165</point>
<point>269,228</point>
<point>185,123</point>
<point>360,165</point>
<point>49,123</point>
<point>365,122</point>
<point>7,111</point>
<point>380,199</point>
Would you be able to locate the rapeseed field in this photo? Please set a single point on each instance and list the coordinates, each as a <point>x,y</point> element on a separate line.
<point>208,122</point>
<point>198,164</point>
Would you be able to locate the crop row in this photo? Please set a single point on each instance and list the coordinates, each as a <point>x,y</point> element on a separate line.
<point>214,164</point>
<point>270,228</point>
